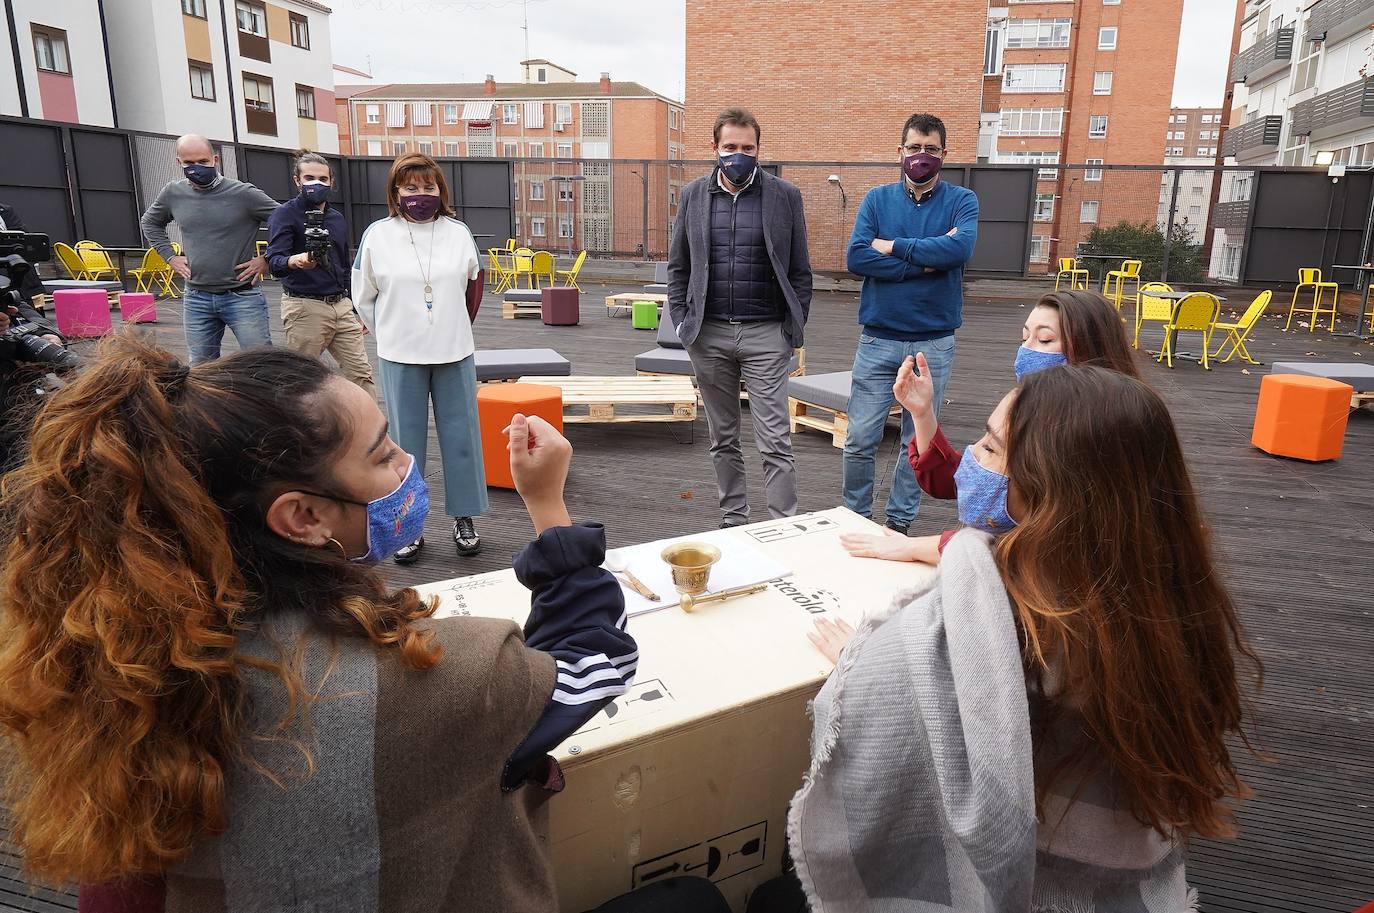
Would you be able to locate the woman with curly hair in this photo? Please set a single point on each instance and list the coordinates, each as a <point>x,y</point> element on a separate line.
<point>212,700</point>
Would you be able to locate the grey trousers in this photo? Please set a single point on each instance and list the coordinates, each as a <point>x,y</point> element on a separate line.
<point>723,354</point>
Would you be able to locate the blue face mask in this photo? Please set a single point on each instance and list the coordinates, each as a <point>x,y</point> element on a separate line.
<point>200,175</point>
<point>738,167</point>
<point>314,192</point>
<point>393,521</point>
<point>982,496</point>
<point>1028,361</point>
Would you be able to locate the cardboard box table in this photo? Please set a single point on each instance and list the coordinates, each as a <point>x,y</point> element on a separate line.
<point>692,771</point>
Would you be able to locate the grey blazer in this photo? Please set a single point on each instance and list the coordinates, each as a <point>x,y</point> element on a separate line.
<point>689,255</point>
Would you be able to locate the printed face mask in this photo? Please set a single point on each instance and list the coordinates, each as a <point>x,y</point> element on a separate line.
<point>921,167</point>
<point>982,496</point>
<point>1028,361</point>
<point>393,521</point>
<point>314,192</point>
<point>200,175</point>
<point>421,207</point>
<point>738,167</point>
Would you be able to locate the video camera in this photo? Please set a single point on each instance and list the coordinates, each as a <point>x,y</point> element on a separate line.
<point>17,250</point>
<point>317,238</point>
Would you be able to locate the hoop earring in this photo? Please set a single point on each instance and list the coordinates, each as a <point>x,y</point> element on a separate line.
<point>339,546</point>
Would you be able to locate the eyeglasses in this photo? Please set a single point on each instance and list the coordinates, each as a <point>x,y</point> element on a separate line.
<point>928,150</point>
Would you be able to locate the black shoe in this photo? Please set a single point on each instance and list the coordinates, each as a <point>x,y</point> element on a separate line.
<point>410,553</point>
<point>465,537</point>
<point>726,524</point>
<point>899,528</point>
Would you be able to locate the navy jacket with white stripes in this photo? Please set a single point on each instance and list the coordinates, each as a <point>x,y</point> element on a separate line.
<point>577,615</point>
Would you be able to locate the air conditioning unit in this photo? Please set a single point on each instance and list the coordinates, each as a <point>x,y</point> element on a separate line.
<point>558,126</point>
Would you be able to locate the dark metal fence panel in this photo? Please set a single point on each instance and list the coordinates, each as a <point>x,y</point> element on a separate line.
<point>106,198</point>
<point>1301,219</point>
<point>33,177</point>
<point>1006,199</point>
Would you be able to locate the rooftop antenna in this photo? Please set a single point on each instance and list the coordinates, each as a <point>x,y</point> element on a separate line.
<point>526,6</point>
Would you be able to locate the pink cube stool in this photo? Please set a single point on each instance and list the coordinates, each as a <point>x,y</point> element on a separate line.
<point>137,307</point>
<point>82,312</point>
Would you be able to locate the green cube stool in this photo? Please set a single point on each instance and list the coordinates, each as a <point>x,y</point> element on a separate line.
<point>644,315</point>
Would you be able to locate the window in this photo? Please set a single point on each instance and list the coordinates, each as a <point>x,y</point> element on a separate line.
<point>1032,122</point>
<point>1038,33</point>
<point>1210,118</point>
<point>537,191</point>
<point>1097,126</point>
<point>1044,207</point>
<point>1092,174</point>
<point>398,148</point>
<point>426,148</point>
<point>1106,38</point>
<point>1033,77</point>
<point>1212,150</point>
<point>374,147</point>
<point>300,31</point>
<point>510,114</point>
<point>536,150</point>
<point>202,80</point>
<point>537,227</point>
<point>510,150</point>
<point>1032,158</point>
<point>992,50</point>
<point>1111,2</point>
<point>1102,83</point>
<point>1196,190</point>
<point>451,150</point>
<point>1195,211</point>
<point>193,8</point>
<point>565,191</point>
<point>305,102</point>
<point>562,112</point>
<point>1039,249</point>
<point>596,149</point>
<point>374,114</point>
<point>50,50</point>
<point>543,75</point>
<point>673,118</point>
<point>1201,150</point>
<point>564,151</point>
<point>1087,211</point>
<point>450,114</point>
<point>252,18</point>
<point>1176,150</point>
<point>257,93</point>
<point>565,226</point>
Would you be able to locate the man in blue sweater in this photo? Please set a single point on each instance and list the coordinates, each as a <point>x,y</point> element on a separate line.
<point>910,243</point>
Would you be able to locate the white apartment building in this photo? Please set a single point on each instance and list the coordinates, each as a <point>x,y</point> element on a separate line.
<point>248,71</point>
<point>1191,141</point>
<point>61,73</point>
<point>1301,93</point>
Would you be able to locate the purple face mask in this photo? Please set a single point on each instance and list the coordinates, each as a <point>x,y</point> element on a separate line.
<point>422,207</point>
<point>921,167</point>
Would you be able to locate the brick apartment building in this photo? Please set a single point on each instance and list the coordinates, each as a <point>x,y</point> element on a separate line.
<point>1016,81</point>
<point>1192,138</point>
<point>544,123</point>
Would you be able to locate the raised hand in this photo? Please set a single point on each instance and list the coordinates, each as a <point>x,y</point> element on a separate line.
<point>914,389</point>
<point>539,461</point>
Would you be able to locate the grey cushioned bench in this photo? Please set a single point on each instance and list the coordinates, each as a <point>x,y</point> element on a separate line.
<point>521,302</point>
<point>508,364</point>
<point>828,393</point>
<point>1360,376</point>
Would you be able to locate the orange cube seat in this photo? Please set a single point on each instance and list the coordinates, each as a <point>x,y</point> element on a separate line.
<point>496,405</point>
<point>1301,417</point>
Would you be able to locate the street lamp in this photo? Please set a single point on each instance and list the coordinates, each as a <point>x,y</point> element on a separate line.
<point>562,179</point>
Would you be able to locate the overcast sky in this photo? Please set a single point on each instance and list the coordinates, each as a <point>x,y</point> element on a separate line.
<point>636,40</point>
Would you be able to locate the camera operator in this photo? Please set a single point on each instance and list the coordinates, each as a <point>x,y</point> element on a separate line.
<point>307,249</point>
<point>30,286</point>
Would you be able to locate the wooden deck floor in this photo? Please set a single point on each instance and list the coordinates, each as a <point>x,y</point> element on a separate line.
<point>1297,541</point>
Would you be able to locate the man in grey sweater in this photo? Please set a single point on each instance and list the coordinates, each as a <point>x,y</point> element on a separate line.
<point>219,219</point>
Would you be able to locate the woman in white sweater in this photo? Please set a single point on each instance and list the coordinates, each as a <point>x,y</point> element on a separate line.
<point>417,281</point>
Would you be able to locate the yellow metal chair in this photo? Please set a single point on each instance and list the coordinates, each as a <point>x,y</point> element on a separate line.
<point>1313,278</point>
<point>498,270</point>
<point>523,260</point>
<point>1150,309</point>
<point>155,275</point>
<point>96,260</point>
<point>1068,266</point>
<point>260,247</point>
<point>1237,332</point>
<point>71,261</point>
<point>1195,314</point>
<point>570,275</point>
<point>510,245</point>
<point>543,266</point>
<point>1114,283</point>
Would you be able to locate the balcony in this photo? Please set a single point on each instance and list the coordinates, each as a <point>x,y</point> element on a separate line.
<point>1343,110</point>
<point>1232,215</point>
<point>1260,135</point>
<point>1337,20</point>
<point>1265,57</point>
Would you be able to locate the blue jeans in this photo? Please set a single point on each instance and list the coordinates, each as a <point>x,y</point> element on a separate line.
<point>870,399</point>
<point>208,313</point>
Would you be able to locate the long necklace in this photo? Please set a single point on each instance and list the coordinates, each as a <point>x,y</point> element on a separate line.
<point>425,272</point>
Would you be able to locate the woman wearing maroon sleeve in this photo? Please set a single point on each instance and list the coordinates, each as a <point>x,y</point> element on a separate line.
<point>1073,327</point>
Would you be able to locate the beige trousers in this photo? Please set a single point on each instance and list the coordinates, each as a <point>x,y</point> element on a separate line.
<point>313,326</point>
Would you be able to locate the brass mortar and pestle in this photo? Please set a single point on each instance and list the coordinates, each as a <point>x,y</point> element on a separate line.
<point>691,563</point>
